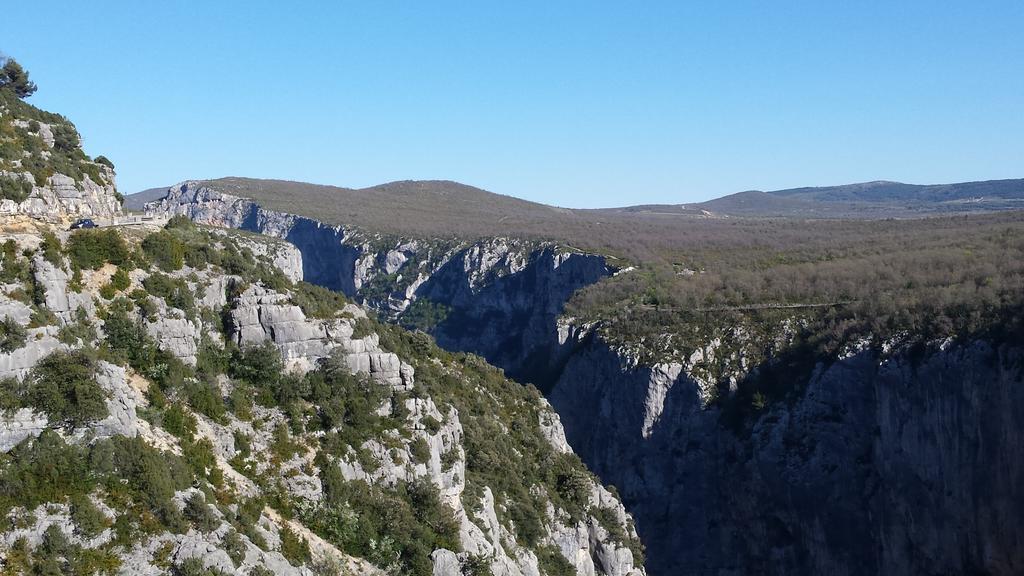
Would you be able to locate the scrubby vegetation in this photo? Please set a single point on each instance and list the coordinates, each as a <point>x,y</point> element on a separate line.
<point>305,423</point>
<point>62,386</point>
<point>788,297</point>
<point>22,147</point>
<point>91,249</point>
<point>12,335</point>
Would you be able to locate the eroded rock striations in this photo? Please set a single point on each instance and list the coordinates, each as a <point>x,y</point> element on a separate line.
<point>894,463</point>
<point>499,298</point>
<point>886,460</point>
<point>73,311</point>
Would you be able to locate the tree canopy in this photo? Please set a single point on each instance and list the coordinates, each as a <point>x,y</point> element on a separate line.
<point>15,78</point>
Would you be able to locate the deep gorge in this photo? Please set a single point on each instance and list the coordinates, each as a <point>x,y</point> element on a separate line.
<point>907,462</point>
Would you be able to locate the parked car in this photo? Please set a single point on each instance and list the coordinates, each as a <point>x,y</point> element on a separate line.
<point>84,223</point>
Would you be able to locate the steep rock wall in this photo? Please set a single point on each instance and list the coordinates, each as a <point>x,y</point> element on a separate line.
<point>877,465</point>
<point>501,297</point>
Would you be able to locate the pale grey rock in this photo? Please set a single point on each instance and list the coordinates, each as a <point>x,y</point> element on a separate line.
<point>122,402</point>
<point>261,314</point>
<point>18,311</point>
<point>41,342</point>
<point>446,563</point>
<point>178,336</point>
<point>45,131</point>
<point>62,199</point>
<point>286,257</point>
<point>59,299</point>
<point>18,426</point>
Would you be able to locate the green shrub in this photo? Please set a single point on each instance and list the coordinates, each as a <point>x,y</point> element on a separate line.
<point>12,268</point>
<point>181,222</point>
<point>43,469</point>
<point>294,548</point>
<point>241,400</point>
<point>91,249</point>
<point>88,518</point>
<point>165,249</point>
<point>234,546</point>
<point>120,280</point>
<point>424,314</point>
<point>257,364</point>
<point>12,395</point>
<point>42,316</point>
<point>420,450</point>
<point>105,161</point>
<point>432,425</point>
<point>316,301</point>
<point>15,189</point>
<point>79,330</point>
<point>179,422</point>
<point>481,566</point>
<point>362,328</point>
<point>63,386</point>
<point>174,291</point>
<point>199,513</point>
<point>205,398</point>
<point>52,248</point>
<point>411,517</point>
<point>12,335</point>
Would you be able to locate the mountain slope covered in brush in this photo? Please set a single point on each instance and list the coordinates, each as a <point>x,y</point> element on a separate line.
<point>176,400</point>
<point>743,382</point>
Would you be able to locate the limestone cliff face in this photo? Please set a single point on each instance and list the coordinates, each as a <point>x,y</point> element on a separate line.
<point>235,310</point>
<point>881,462</point>
<point>894,464</point>
<point>66,185</point>
<point>501,297</point>
<point>62,199</point>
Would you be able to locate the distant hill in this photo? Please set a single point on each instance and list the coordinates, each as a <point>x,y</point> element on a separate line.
<point>136,201</point>
<point>878,199</point>
<point>444,209</point>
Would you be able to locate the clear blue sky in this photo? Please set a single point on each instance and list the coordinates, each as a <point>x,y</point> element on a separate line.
<point>570,103</point>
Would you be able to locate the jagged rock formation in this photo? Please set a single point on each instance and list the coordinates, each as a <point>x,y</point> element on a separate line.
<point>885,460</point>
<point>61,199</point>
<point>499,298</point>
<point>894,463</point>
<point>430,444</point>
<point>44,174</point>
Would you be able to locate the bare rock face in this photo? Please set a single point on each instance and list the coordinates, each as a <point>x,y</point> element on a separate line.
<point>501,297</point>
<point>260,314</point>
<point>66,184</point>
<point>63,199</point>
<point>894,464</point>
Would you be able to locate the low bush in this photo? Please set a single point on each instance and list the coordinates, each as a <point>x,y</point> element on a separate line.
<point>91,249</point>
<point>15,189</point>
<point>174,291</point>
<point>165,250</point>
<point>293,547</point>
<point>199,513</point>
<point>63,386</point>
<point>88,518</point>
<point>12,335</point>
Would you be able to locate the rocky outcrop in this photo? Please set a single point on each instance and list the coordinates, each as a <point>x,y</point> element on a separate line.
<point>879,464</point>
<point>259,314</point>
<point>499,298</point>
<point>423,441</point>
<point>63,200</point>
<point>883,461</point>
